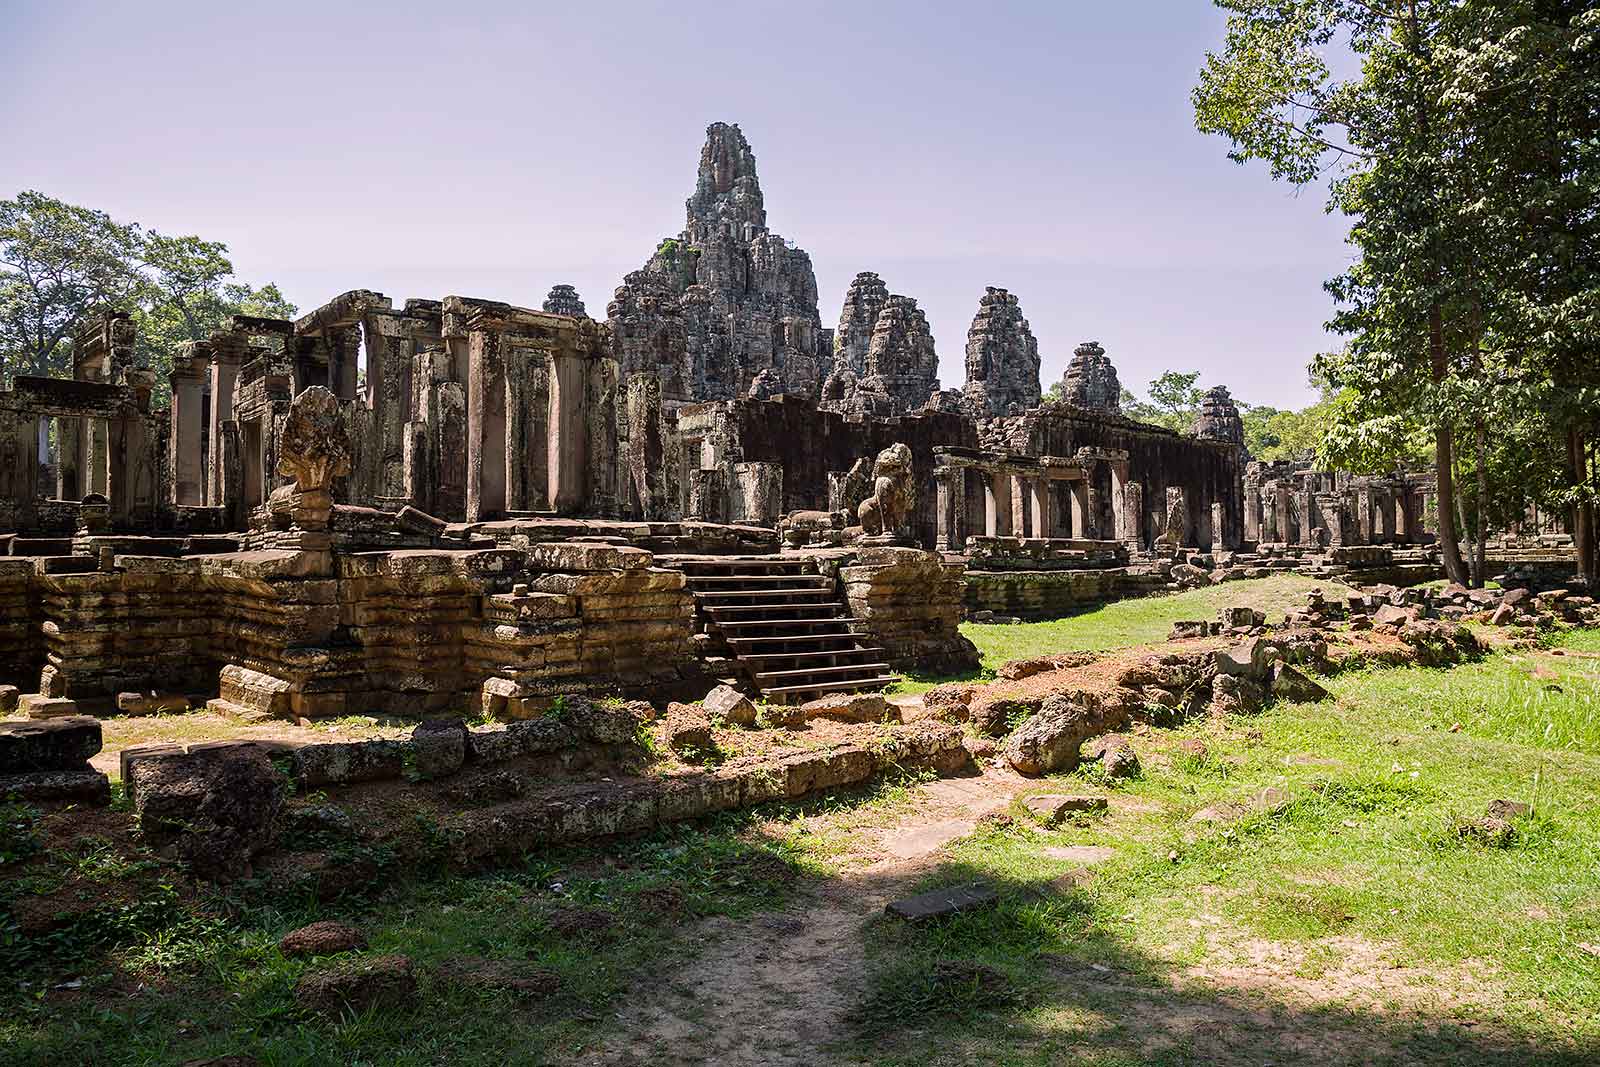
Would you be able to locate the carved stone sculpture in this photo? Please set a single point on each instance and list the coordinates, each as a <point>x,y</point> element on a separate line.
<point>886,510</point>
<point>314,449</point>
<point>1176,527</point>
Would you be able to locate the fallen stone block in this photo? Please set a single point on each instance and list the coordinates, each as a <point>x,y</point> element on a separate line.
<point>852,707</point>
<point>358,986</point>
<point>85,785</point>
<point>339,762</point>
<point>689,731</point>
<point>728,705</point>
<point>151,703</point>
<point>8,699</point>
<point>1051,808</point>
<point>322,939</point>
<point>1290,684</point>
<point>39,706</point>
<point>1189,629</point>
<point>943,903</point>
<point>52,745</point>
<point>438,747</point>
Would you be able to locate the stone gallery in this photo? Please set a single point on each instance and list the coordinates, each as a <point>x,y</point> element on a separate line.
<point>458,503</point>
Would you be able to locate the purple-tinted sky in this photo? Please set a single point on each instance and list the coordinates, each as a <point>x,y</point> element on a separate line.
<point>494,150</point>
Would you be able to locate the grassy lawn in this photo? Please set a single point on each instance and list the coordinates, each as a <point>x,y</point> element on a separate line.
<point>1347,906</point>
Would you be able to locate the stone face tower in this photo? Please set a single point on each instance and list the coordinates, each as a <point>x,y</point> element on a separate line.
<point>564,300</point>
<point>1002,358</point>
<point>1219,418</point>
<point>884,361</point>
<point>1091,381</point>
<point>727,308</point>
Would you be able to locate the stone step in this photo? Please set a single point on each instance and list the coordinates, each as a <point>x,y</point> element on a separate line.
<point>868,670</point>
<point>831,687</point>
<point>740,624</point>
<point>792,638</point>
<point>771,581</point>
<point>41,546</point>
<point>719,609</point>
<point>835,652</point>
<point>710,594</point>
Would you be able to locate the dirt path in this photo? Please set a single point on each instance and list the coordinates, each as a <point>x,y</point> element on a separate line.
<point>774,990</point>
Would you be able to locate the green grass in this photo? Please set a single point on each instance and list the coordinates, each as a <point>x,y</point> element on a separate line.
<point>1140,621</point>
<point>1360,879</point>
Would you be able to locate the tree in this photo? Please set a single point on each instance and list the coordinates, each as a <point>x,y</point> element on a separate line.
<point>57,262</point>
<point>186,295</point>
<point>1273,94</point>
<point>1174,401</point>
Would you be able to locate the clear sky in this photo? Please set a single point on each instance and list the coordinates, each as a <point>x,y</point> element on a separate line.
<point>493,150</point>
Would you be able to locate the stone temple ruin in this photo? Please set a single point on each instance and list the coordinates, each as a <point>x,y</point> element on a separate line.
<point>459,503</point>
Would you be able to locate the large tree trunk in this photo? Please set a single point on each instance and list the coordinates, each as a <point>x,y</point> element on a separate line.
<point>1444,459</point>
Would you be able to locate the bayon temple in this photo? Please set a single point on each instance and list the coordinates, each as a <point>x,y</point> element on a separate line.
<point>456,503</point>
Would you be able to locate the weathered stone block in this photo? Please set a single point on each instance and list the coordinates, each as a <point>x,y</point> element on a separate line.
<point>56,745</point>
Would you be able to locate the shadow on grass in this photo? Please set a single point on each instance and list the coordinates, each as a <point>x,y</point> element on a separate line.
<point>1046,977</point>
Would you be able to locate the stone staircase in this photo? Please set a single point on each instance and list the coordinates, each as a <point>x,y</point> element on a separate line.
<point>782,624</point>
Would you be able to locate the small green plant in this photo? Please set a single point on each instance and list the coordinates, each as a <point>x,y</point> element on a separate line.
<point>558,709</point>
<point>19,835</point>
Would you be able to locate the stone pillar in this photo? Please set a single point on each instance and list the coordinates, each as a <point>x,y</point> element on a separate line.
<point>949,503</point>
<point>997,504</point>
<point>1080,508</point>
<point>1133,508</point>
<point>1363,521</point>
<point>224,372</point>
<point>1308,516</point>
<point>1039,506</point>
<point>1119,518</point>
<point>569,454</point>
<point>96,457</point>
<point>1402,516</point>
<point>1219,530</point>
<point>188,428</point>
<point>1095,506</point>
<point>1019,506</point>
<point>1252,513</point>
<point>487,453</point>
<point>1280,512</point>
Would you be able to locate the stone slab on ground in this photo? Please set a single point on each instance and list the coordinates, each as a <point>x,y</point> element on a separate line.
<point>942,903</point>
<point>88,786</point>
<point>49,745</point>
<point>1051,808</point>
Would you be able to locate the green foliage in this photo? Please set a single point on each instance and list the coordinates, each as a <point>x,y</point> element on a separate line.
<point>59,261</point>
<point>1174,401</point>
<point>1463,144</point>
<point>18,837</point>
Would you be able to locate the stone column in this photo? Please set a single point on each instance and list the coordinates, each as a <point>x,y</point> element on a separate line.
<point>1402,516</point>
<point>1096,504</point>
<point>1308,516</point>
<point>224,372</point>
<point>1119,519</point>
<point>1280,512</point>
<point>997,504</point>
<point>1019,506</point>
<point>1080,508</point>
<point>1219,530</point>
<point>187,428</point>
<point>1039,506</point>
<point>949,502</point>
<point>1133,508</point>
<point>1252,513</point>
<point>569,458</point>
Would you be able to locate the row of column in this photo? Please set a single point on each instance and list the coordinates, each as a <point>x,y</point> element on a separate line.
<point>1017,503</point>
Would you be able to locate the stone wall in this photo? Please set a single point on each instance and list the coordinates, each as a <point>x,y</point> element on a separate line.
<point>317,634</point>
<point>911,603</point>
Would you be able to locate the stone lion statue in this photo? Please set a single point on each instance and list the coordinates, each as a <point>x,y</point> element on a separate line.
<point>884,512</point>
